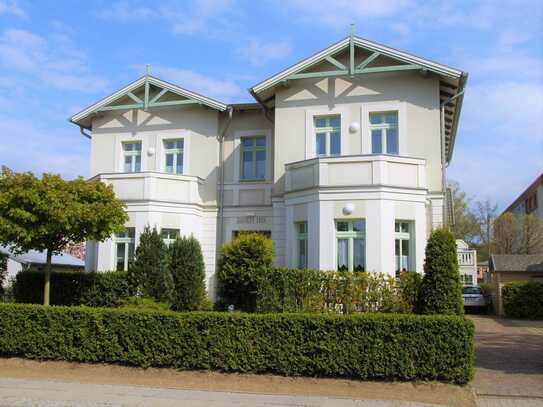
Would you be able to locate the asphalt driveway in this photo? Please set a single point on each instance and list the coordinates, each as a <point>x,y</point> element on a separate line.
<point>509,358</point>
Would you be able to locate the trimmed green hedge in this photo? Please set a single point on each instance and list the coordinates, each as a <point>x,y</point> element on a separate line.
<point>371,346</point>
<point>106,289</point>
<point>301,290</point>
<point>523,300</point>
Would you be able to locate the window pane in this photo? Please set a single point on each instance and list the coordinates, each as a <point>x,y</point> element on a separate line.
<point>397,253</point>
<point>261,141</point>
<point>131,232</point>
<point>260,164</point>
<point>391,118</point>
<point>321,144</point>
<point>392,141</point>
<point>137,146</point>
<point>335,143</point>
<point>405,255</point>
<point>376,145</point>
<point>247,141</point>
<point>376,118</point>
<point>169,163</point>
<point>404,227</point>
<point>120,256</point>
<point>358,255</point>
<point>302,254</point>
<point>179,164</point>
<point>320,122</point>
<point>179,144</point>
<point>342,226</point>
<point>335,121</point>
<point>169,145</point>
<point>127,163</point>
<point>343,254</point>
<point>358,226</point>
<point>302,227</point>
<point>248,165</point>
<point>397,226</point>
<point>127,146</point>
<point>137,167</point>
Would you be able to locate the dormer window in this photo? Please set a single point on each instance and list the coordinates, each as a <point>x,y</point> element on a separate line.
<point>384,133</point>
<point>327,135</point>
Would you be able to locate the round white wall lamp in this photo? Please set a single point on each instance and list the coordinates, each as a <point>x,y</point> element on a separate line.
<point>348,208</point>
<point>354,127</point>
<point>150,151</point>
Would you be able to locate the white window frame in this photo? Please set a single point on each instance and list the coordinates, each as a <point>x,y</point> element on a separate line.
<point>175,152</point>
<point>169,239</point>
<point>160,163</point>
<point>238,135</point>
<point>310,138</point>
<point>327,131</point>
<point>254,149</point>
<point>132,154</point>
<point>402,236</point>
<point>127,240</point>
<point>301,238</point>
<point>377,107</point>
<point>350,235</point>
<point>383,128</point>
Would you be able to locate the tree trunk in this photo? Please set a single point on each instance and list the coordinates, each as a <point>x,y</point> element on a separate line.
<point>47,274</point>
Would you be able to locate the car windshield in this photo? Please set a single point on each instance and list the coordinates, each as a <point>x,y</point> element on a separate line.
<point>472,290</point>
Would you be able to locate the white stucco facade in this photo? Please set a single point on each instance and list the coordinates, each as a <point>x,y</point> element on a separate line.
<point>356,208</point>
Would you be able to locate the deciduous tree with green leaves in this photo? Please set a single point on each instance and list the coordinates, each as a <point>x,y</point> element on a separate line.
<point>48,213</point>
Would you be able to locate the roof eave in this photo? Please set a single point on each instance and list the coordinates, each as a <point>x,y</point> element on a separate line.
<point>458,110</point>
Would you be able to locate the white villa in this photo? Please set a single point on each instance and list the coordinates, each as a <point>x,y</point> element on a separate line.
<point>341,160</point>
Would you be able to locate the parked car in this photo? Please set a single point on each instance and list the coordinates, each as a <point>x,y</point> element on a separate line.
<point>474,298</point>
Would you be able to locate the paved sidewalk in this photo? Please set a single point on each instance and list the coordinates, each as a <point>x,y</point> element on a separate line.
<point>509,361</point>
<point>29,393</point>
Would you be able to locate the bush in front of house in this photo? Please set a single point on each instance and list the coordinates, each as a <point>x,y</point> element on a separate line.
<point>105,289</point>
<point>441,290</point>
<point>300,290</point>
<point>242,260</point>
<point>369,346</point>
<point>523,300</point>
<point>149,274</point>
<point>188,271</point>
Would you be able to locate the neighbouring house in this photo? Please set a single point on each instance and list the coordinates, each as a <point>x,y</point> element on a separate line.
<point>506,268</point>
<point>528,202</point>
<point>482,272</point>
<point>467,263</point>
<point>340,160</point>
<point>35,260</point>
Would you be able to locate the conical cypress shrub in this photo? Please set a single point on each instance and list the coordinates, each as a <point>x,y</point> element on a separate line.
<point>441,291</point>
<point>188,271</point>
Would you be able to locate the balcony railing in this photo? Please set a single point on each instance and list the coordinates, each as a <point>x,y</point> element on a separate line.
<point>154,186</point>
<point>356,170</point>
<point>466,258</point>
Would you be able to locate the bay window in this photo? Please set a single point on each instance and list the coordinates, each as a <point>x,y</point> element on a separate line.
<point>169,235</point>
<point>328,135</point>
<point>403,246</point>
<point>301,244</point>
<point>124,248</point>
<point>351,245</point>
<point>384,133</point>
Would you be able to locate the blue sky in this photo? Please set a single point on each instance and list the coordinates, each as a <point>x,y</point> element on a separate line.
<point>59,56</point>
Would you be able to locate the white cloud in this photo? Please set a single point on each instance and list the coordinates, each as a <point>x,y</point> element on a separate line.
<point>259,53</point>
<point>11,7</point>
<point>209,17</point>
<point>52,62</point>
<point>60,150</point>
<point>223,90</point>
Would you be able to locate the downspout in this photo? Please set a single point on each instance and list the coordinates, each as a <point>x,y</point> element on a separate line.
<point>82,131</point>
<point>444,163</point>
<point>221,175</point>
